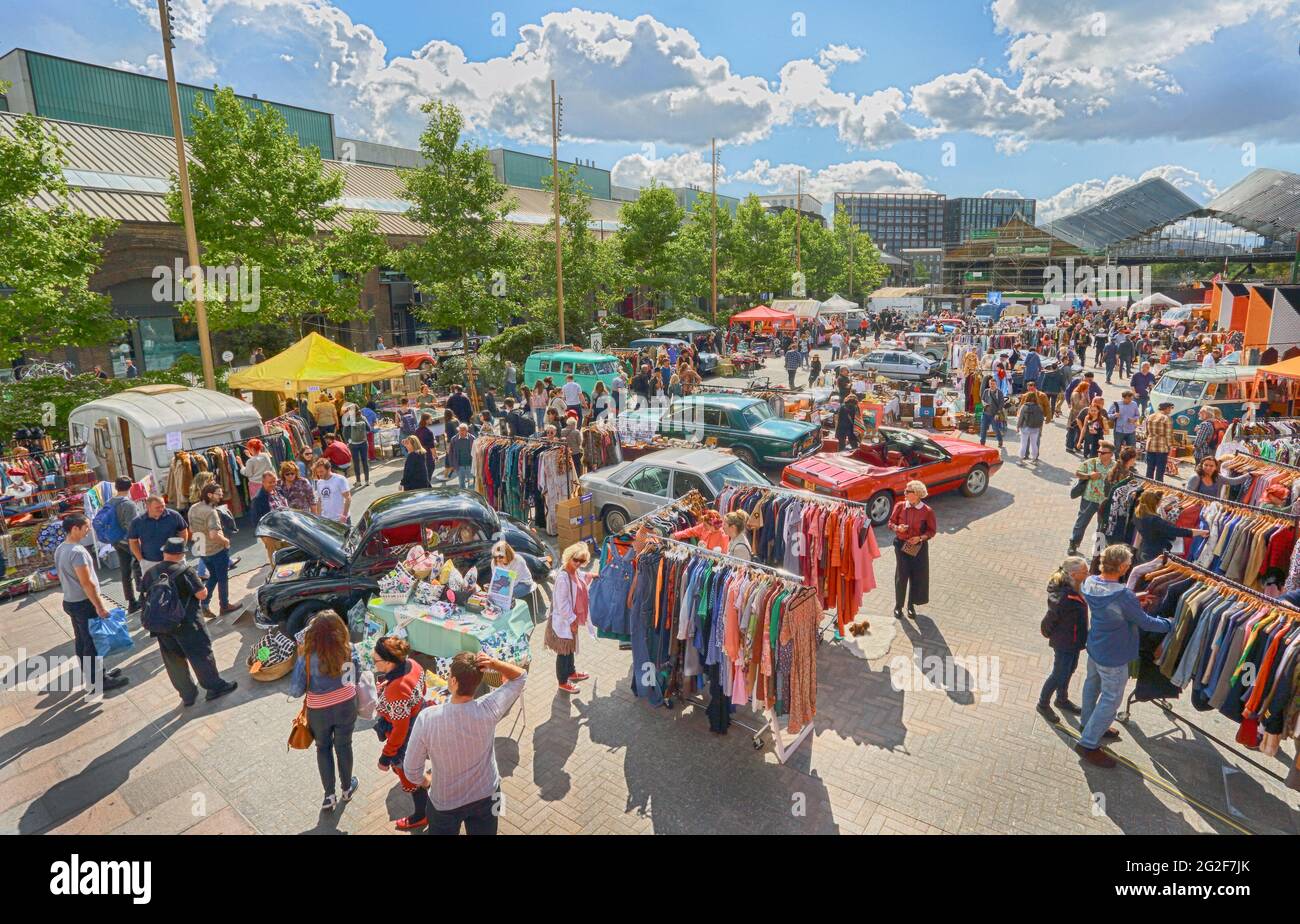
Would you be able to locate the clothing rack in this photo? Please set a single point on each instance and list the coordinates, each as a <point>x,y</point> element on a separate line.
<point>689,499</point>
<point>1201,498</point>
<point>783,747</point>
<point>795,492</point>
<point>1259,460</point>
<point>1195,570</point>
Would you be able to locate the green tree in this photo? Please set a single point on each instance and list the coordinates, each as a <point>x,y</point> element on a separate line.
<point>468,261</point>
<point>758,261</point>
<point>690,255</point>
<point>650,224</point>
<point>261,200</point>
<point>855,249</point>
<point>47,253</point>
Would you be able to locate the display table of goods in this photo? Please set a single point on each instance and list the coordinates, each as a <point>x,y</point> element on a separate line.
<point>443,612</point>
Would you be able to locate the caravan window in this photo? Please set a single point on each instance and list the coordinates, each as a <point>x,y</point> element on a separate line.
<point>162,456</point>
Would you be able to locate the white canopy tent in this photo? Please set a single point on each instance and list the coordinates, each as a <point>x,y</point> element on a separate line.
<point>805,309</point>
<point>838,305</point>
<point>1156,300</point>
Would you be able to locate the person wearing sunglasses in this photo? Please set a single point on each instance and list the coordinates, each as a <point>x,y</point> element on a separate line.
<point>1094,471</point>
<point>503,556</point>
<point>296,489</point>
<point>568,612</point>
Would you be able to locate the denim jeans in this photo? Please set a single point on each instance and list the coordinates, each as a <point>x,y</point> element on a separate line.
<point>218,576</point>
<point>332,728</point>
<point>478,817</point>
<point>1103,693</point>
<point>539,414</point>
<point>1144,405</point>
<point>81,612</point>
<point>1087,510</point>
<point>188,645</point>
<point>464,475</point>
<point>1124,439</point>
<point>835,353</point>
<point>130,567</point>
<point>998,427</point>
<point>1156,463</point>
<point>1058,681</point>
<point>360,460</point>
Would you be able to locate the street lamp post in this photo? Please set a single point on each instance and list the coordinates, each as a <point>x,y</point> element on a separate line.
<point>555,192</point>
<point>187,205</point>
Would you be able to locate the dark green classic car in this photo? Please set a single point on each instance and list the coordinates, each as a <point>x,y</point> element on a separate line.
<point>745,425</point>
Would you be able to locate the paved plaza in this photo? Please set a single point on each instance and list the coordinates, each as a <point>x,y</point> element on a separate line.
<point>881,760</point>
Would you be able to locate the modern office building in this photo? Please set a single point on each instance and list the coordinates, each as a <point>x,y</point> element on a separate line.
<point>896,221</point>
<point>531,171</point>
<point>969,217</point>
<point>810,206</point>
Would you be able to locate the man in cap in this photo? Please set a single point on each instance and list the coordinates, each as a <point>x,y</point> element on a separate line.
<point>188,645</point>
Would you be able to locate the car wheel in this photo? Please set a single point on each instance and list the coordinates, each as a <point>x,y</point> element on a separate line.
<point>746,455</point>
<point>301,613</point>
<point>880,507</point>
<point>977,481</point>
<point>614,518</point>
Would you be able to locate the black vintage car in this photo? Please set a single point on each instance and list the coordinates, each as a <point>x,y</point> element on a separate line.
<point>330,566</point>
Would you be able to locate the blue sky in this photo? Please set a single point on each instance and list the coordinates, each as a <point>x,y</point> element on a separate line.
<point>1061,100</point>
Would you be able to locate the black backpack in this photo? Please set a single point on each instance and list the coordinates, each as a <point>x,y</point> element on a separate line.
<point>163,610</point>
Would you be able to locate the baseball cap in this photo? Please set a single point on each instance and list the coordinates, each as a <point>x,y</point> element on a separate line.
<point>174,546</point>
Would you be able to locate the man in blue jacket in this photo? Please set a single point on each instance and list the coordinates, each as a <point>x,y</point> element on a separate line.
<point>1116,619</point>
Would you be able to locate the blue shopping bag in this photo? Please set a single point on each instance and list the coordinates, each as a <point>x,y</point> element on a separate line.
<point>110,633</point>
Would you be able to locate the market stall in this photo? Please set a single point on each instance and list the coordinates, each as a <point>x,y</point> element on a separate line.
<point>311,364</point>
<point>764,320</point>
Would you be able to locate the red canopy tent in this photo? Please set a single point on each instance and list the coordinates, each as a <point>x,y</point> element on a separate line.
<point>761,316</point>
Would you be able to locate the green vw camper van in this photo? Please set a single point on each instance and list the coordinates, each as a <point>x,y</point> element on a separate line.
<point>586,367</point>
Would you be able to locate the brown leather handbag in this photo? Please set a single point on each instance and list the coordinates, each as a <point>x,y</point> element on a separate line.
<point>300,735</point>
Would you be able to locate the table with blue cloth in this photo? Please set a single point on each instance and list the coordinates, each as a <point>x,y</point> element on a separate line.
<point>440,641</point>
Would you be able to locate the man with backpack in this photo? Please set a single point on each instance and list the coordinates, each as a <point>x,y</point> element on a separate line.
<point>406,422</point>
<point>112,524</point>
<point>520,423</point>
<point>1033,413</point>
<point>172,594</point>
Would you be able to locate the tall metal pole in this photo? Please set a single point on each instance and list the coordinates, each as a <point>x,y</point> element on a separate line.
<point>713,228</point>
<point>853,236</point>
<point>187,206</point>
<point>555,191</point>
<point>798,214</point>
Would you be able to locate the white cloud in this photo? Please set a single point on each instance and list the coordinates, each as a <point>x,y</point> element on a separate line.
<point>832,56</point>
<point>1089,192</point>
<point>850,176</point>
<point>1001,194</point>
<point>1116,69</point>
<point>685,169</point>
<point>286,58</point>
<point>153,65</point>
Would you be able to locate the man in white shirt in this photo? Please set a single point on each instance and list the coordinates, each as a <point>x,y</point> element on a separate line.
<point>573,396</point>
<point>333,498</point>
<point>837,343</point>
<point>458,739</point>
<point>1209,361</point>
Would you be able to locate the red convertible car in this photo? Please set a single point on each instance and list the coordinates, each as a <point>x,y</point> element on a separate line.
<point>876,472</point>
<point>413,358</point>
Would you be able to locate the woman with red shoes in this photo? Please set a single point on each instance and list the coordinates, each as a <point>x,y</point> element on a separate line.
<point>568,612</point>
<point>399,680</point>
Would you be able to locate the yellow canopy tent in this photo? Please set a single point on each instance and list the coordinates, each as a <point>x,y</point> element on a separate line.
<point>314,360</point>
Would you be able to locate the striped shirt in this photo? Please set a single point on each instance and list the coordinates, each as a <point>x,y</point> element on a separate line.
<point>458,739</point>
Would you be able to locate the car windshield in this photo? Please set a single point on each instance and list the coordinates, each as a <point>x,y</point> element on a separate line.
<point>354,538</point>
<point>755,414</point>
<point>1179,387</point>
<point>736,471</point>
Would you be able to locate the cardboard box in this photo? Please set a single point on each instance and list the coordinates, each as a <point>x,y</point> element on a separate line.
<point>575,511</point>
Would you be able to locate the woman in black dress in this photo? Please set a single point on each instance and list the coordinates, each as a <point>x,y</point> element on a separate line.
<point>417,471</point>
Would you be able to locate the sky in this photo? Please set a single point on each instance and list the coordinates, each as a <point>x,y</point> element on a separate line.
<point>1061,100</point>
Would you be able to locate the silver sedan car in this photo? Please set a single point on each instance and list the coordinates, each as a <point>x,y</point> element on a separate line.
<point>622,493</point>
<point>891,363</point>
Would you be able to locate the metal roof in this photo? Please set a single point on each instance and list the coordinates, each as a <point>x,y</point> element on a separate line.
<point>104,164</point>
<point>1132,211</point>
<point>1265,201</point>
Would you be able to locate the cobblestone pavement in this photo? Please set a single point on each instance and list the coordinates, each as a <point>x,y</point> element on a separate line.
<point>882,760</point>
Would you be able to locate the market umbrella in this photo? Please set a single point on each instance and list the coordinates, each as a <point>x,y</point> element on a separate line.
<point>314,361</point>
<point>761,314</point>
<point>1156,300</point>
<point>684,326</point>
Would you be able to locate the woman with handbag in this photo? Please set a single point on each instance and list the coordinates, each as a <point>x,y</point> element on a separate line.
<point>914,525</point>
<point>1066,629</point>
<point>327,672</point>
<point>399,680</point>
<point>569,607</point>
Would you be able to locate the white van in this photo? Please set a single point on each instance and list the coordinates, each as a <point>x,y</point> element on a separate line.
<point>129,433</point>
